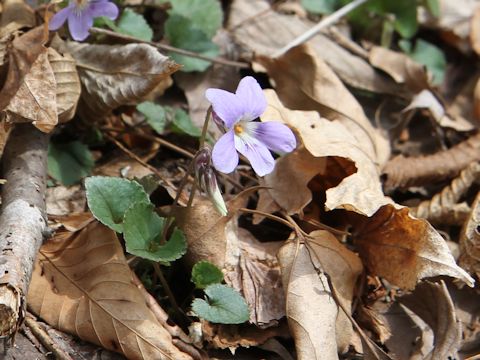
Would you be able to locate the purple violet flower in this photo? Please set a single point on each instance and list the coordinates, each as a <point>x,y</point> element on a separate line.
<point>80,15</point>
<point>251,139</point>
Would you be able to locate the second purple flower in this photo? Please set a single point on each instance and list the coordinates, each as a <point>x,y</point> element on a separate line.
<point>80,15</point>
<point>251,139</point>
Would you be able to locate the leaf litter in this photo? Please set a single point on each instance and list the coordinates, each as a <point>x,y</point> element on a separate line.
<point>361,243</point>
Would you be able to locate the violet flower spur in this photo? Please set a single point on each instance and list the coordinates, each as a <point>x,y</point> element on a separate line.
<point>80,15</point>
<point>251,139</point>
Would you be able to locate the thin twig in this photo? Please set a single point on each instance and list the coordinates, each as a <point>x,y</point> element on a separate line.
<point>270,216</point>
<point>167,289</point>
<point>325,22</point>
<point>166,47</point>
<point>139,160</point>
<point>46,339</point>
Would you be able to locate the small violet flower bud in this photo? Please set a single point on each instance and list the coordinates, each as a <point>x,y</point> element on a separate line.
<point>207,180</point>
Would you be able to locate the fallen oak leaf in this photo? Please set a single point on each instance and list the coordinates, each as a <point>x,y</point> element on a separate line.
<point>88,278</point>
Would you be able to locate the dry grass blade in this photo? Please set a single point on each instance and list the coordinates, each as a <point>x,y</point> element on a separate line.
<point>83,286</point>
<point>470,241</point>
<point>402,172</point>
<point>443,205</point>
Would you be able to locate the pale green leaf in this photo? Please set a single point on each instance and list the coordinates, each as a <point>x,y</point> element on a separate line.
<point>223,305</point>
<point>134,24</point>
<point>154,114</point>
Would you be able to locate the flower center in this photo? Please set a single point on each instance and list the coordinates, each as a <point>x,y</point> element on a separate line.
<point>238,129</point>
<point>80,4</point>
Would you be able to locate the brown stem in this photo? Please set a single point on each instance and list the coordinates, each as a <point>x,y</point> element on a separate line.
<point>217,60</point>
<point>23,224</point>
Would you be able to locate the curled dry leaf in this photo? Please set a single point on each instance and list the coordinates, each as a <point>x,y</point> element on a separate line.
<point>470,240</point>
<point>432,302</point>
<point>255,272</point>
<point>35,100</point>
<point>115,75</point>
<point>360,192</point>
<point>441,207</point>
<point>311,310</point>
<point>257,27</point>
<point>405,250</point>
<point>426,100</point>
<point>303,81</point>
<point>403,172</point>
<point>67,84</point>
<point>16,15</point>
<point>22,54</point>
<point>401,67</point>
<point>83,285</point>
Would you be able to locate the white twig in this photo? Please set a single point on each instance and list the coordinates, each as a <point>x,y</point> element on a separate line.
<point>327,21</point>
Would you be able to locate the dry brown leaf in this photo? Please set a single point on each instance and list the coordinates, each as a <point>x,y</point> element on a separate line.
<point>35,101</point>
<point>311,309</point>
<point>344,267</point>
<point>426,100</point>
<point>400,67</point>
<point>255,272</point>
<point>67,84</point>
<point>114,75</point>
<point>432,302</point>
<point>23,52</point>
<point>405,250</point>
<point>404,332</point>
<point>260,29</point>
<point>470,240</point>
<point>62,200</point>
<point>360,192</point>
<point>83,286</point>
<point>403,172</point>
<point>16,14</point>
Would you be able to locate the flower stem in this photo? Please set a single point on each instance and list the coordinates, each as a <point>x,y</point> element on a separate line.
<point>202,142</point>
<point>166,288</point>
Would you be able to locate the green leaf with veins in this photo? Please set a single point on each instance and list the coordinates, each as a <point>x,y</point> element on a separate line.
<point>134,24</point>
<point>109,197</point>
<point>143,229</point>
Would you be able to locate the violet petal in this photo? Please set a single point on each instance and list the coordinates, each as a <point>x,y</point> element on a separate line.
<point>224,155</point>
<point>251,95</point>
<point>226,105</point>
<point>103,8</point>
<point>59,18</point>
<point>260,158</point>
<point>79,24</point>
<point>276,136</point>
